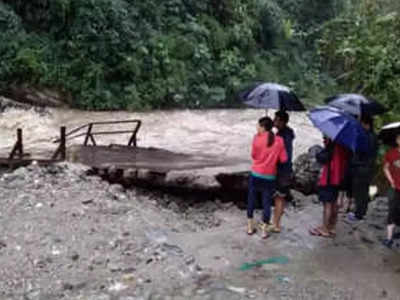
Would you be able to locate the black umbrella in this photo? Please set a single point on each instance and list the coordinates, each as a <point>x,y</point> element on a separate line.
<point>356,104</point>
<point>271,95</point>
<point>389,133</point>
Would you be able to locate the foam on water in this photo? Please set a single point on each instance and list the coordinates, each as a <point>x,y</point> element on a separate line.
<point>226,133</point>
<point>36,129</point>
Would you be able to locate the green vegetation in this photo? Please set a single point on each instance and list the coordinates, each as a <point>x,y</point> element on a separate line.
<point>129,54</point>
<point>360,49</point>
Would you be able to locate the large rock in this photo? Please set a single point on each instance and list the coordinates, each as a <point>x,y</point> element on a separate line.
<point>306,171</point>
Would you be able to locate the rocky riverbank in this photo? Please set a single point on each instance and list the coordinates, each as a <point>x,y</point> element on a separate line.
<point>67,235</point>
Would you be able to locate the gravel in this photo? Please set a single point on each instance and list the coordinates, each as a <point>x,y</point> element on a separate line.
<point>67,235</point>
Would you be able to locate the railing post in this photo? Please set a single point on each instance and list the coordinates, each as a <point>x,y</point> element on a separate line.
<point>92,139</point>
<point>88,134</point>
<point>63,143</point>
<point>61,150</point>
<point>133,139</point>
<point>20,147</point>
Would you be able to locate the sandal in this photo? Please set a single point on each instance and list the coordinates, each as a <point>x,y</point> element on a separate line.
<point>264,236</point>
<point>324,233</point>
<point>273,229</point>
<point>250,228</point>
<point>317,231</point>
<point>314,232</point>
<point>253,231</point>
<point>264,230</point>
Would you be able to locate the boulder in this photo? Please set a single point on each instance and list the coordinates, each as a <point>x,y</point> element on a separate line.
<point>306,171</point>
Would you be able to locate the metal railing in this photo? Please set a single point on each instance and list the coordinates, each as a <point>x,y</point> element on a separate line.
<point>17,154</point>
<point>90,133</point>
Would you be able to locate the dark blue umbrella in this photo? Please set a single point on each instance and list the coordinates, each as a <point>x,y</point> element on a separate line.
<point>340,127</point>
<point>271,95</point>
<point>356,104</point>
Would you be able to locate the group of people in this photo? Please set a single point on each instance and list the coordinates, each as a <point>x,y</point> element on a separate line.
<point>271,172</point>
<point>344,180</point>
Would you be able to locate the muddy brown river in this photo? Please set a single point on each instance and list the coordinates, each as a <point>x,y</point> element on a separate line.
<point>223,133</point>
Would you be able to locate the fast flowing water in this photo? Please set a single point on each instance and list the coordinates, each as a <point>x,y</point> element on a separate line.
<point>223,133</point>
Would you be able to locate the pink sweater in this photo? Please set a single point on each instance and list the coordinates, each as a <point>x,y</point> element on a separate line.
<point>266,159</point>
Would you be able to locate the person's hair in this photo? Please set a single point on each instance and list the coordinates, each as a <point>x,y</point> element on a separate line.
<point>367,119</point>
<point>267,124</point>
<point>395,140</point>
<point>282,115</point>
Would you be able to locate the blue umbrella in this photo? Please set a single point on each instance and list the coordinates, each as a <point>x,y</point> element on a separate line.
<point>340,127</point>
<point>271,95</point>
<point>356,104</point>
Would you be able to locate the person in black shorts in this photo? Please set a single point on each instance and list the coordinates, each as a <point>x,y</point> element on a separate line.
<point>334,159</point>
<point>285,170</point>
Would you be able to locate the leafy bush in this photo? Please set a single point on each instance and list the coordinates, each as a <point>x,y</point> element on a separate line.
<point>361,51</point>
<point>126,54</point>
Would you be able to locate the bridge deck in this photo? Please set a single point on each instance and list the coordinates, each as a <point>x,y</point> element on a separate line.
<point>152,159</point>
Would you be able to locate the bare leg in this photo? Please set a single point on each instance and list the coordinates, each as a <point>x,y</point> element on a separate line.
<point>341,199</point>
<point>333,218</point>
<point>250,226</point>
<point>278,212</point>
<point>323,230</point>
<point>327,217</point>
<point>347,204</point>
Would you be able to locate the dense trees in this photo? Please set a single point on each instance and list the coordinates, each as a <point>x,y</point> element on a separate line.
<point>110,54</point>
<point>360,49</point>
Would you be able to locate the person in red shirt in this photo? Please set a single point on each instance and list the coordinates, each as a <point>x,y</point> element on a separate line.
<point>334,159</point>
<point>391,168</point>
<point>267,151</point>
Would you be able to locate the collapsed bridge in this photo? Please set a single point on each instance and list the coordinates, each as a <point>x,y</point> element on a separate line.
<point>132,165</point>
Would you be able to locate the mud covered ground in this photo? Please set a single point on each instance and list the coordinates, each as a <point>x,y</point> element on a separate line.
<point>66,235</point>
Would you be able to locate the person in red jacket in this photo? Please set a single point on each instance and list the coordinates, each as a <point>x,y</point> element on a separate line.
<point>267,151</point>
<point>334,159</point>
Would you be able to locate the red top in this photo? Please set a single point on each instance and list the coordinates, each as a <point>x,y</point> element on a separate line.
<point>392,157</point>
<point>338,165</point>
<point>265,159</point>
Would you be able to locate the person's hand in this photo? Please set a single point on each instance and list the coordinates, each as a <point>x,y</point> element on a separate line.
<point>393,186</point>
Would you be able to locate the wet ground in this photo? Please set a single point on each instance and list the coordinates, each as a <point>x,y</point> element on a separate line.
<point>66,235</point>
